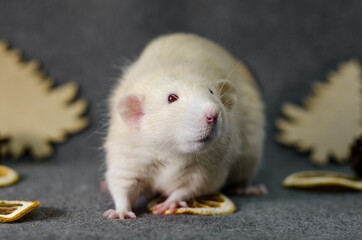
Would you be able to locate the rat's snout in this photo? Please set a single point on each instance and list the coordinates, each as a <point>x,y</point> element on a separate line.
<point>211,117</point>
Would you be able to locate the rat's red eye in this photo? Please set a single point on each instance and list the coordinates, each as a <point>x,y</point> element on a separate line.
<point>172,97</point>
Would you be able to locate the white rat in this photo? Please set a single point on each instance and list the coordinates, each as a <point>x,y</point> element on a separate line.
<point>186,119</point>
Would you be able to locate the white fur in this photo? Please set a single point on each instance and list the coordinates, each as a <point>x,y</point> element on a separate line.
<point>161,154</point>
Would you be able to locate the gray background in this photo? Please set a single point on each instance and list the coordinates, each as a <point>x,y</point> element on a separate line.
<point>287,45</point>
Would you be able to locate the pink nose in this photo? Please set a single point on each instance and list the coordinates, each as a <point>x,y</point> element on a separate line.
<point>211,118</point>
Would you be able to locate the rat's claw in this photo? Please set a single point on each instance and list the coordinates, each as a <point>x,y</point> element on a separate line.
<point>169,206</point>
<point>114,214</point>
<point>108,212</point>
<point>183,204</point>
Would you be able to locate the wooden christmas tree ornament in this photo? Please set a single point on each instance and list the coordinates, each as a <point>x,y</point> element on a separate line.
<point>33,114</point>
<point>331,119</point>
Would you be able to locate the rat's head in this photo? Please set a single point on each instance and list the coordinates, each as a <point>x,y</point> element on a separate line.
<point>178,115</point>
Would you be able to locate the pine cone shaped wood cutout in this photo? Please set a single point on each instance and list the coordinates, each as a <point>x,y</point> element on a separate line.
<point>331,119</point>
<point>32,113</point>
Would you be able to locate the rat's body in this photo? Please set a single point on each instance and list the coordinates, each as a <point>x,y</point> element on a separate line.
<point>185,120</point>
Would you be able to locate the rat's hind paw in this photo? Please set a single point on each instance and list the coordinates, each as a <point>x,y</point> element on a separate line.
<point>117,214</point>
<point>104,186</point>
<point>257,190</point>
<point>169,206</point>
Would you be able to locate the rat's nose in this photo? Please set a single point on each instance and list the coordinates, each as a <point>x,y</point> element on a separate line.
<point>211,117</point>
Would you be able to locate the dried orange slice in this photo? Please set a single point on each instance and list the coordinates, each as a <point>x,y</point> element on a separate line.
<point>8,176</point>
<point>13,210</point>
<point>215,204</point>
<point>322,179</point>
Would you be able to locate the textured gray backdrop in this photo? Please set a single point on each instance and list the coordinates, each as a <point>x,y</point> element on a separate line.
<point>286,43</point>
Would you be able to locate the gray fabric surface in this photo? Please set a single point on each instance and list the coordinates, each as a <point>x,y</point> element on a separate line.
<point>287,44</point>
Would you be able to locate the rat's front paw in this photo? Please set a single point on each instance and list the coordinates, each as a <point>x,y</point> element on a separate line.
<point>169,206</point>
<point>118,214</point>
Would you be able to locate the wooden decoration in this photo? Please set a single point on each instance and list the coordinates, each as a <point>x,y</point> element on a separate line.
<point>331,119</point>
<point>32,113</point>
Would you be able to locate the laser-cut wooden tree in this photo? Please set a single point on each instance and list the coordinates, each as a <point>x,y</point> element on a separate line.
<point>331,119</point>
<point>32,113</point>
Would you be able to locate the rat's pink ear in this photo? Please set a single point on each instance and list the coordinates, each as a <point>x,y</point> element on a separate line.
<point>227,93</point>
<point>131,109</point>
